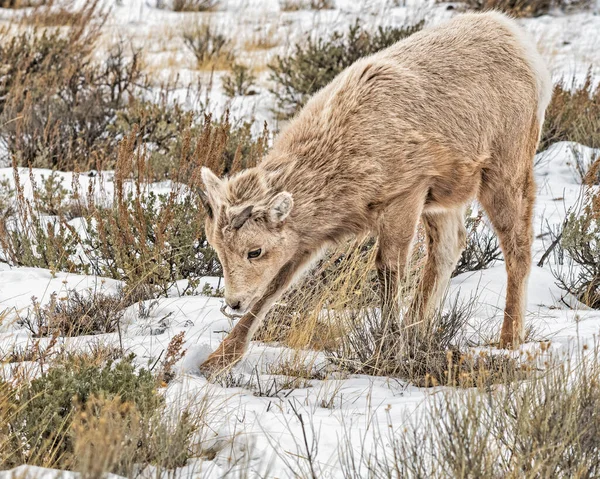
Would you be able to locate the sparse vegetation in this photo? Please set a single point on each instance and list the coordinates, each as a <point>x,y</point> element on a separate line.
<point>313,65</point>
<point>543,427</point>
<point>75,314</point>
<point>239,82</point>
<point>138,236</point>
<point>482,248</point>
<point>56,104</point>
<point>211,49</point>
<point>573,115</point>
<point>187,5</point>
<point>581,242</point>
<point>71,102</point>
<point>524,8</point>
<point>295,5</point>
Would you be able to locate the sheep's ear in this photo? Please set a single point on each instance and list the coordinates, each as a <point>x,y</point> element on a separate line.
<point>280,207</point>
<point>215,189</point>
<point>205,203</point>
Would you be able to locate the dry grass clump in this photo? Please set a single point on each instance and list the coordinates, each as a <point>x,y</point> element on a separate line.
<point>430,353</point>
<point>345,279</point>
<point>573,115</point>
<point>296,5</point>
<point>75,314</point>
<point>524,8</point>
<point>544,427</point>
<point>336,309</point>
<point>187,5</point>
<point>212,50</point>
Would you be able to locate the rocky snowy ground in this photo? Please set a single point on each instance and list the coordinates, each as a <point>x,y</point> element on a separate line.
<point>257,436</point>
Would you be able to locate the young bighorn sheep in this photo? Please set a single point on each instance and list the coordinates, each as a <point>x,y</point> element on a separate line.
<point>416,131</point>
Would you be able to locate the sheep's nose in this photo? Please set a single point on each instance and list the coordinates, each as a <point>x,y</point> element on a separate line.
<point>233,304</point>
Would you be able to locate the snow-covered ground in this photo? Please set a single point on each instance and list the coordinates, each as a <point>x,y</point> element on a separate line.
<point>256,432</point>
<point>263,435</point>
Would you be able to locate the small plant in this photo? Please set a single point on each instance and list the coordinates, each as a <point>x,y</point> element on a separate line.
<point>482,247</point>
<point>573,115</point>
<point>187,5</point>
<point>524,8</point>
<point>313,65</point>
<point>208,290</point>
<point>581,242</point>
<point>174,353</point>
<point>75,314</point>
<point>239,82</point>
<point>211,49</point>
<point>295,5</point>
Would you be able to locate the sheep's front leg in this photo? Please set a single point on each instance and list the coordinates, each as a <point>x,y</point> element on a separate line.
<point>233,347</point>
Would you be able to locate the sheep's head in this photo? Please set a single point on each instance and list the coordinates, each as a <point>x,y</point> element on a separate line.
<point>247,224</point>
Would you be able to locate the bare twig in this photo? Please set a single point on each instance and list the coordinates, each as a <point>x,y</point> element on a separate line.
<point>232,316</point>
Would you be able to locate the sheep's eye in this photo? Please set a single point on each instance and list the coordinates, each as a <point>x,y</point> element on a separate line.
<point>254,253</point>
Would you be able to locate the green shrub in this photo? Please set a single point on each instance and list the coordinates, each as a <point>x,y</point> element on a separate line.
<point>239,82</point>
<point>42,411</point>
<point>96,418</point>
<point>313,65</point>
<point>151,239</point>
<point>29,238</point>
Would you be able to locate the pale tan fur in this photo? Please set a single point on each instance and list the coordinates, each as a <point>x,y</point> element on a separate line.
<point>415,131</point>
